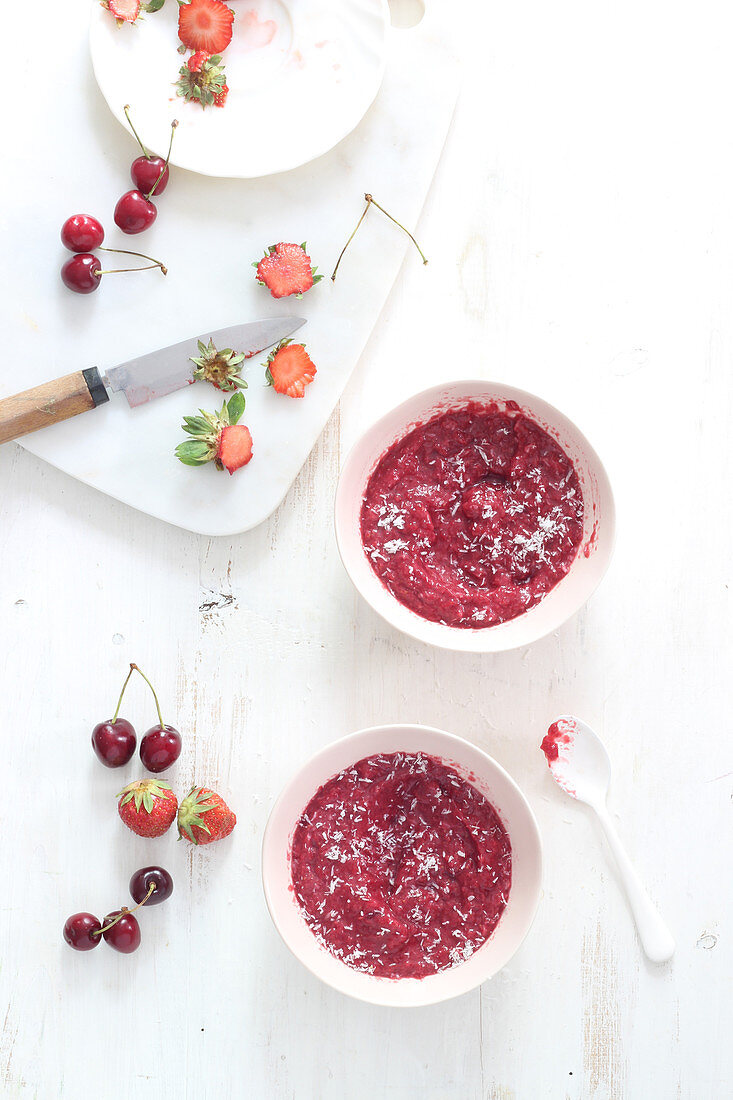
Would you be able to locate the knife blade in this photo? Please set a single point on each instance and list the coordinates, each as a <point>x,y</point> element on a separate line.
<point>140,380</point>
<point>161,372</point>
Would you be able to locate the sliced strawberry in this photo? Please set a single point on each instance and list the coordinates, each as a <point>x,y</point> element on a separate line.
<point>286,269</point>
<point>290,369</point>
<point>124,11</point>
<point>205,25</point>
<point>235,447</point>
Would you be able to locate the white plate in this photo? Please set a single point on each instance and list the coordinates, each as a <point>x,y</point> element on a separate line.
<point>479,769</point>
<point>301,75</point>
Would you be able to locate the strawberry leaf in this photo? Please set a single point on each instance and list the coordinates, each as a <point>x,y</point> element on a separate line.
<point>192,452</point>
<point>235,407</point>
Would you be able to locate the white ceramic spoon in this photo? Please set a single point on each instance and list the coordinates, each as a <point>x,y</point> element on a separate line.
<point>580,765</point>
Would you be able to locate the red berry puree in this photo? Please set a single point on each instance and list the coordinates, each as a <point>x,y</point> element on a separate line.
<point>472,518</point>
<point>559,734</point>
<point>402,868</point>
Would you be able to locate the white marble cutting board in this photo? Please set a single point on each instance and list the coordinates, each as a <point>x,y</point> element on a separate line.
<point>208,231</point>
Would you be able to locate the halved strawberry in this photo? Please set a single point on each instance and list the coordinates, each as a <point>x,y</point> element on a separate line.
<point>124,11</point>
<point>205,25</point>
<point>290,369</point>
<point>235,447</point>
<point>286,269</point>
<point>217,437</point>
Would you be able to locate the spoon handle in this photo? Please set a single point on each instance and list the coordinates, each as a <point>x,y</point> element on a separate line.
<point>656,938</point>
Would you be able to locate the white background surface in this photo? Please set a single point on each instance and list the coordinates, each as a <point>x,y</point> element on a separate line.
<point>581,240</point>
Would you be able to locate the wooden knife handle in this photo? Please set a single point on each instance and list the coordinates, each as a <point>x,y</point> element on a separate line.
<point>50,403</point>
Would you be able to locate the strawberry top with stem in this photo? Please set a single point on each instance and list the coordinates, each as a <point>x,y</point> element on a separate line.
<point>206,431</point>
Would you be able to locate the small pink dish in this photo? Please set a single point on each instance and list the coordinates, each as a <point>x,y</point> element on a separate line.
<point>477,768</point>
<point>562,602</point>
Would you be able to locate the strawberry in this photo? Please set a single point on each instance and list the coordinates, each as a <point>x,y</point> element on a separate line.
<point>235,447</point>
<point>286,269</point>
<point>124,11</point>
<point>196,61</point>
<point>205,25</point>
<point>221,368</point>
<point>220,98</point>
<point>204,817</point>
<point>217,437</point>
<point>204,84</point>
<point>148,807</point>
<point>289,369</point>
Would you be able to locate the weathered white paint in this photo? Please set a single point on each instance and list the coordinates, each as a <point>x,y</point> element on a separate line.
<point>580,234</point>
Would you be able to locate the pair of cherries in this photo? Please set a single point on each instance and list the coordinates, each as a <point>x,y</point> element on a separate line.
<point>114,741</point>
<point>83,272</point>
<point>121,930</point>
<point>134,211</point>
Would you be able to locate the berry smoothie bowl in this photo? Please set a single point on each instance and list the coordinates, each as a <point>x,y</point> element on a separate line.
<point>474,517</point>
<point>402,865</point>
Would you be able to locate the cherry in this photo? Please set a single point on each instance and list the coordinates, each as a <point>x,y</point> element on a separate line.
<point>82,273</point>
<point>134,213</point>
<point>146,877</point>
<point>121,931</point>
<point>81,233</point>
<point>81,931</point>
<point>114,741</point>
<point>161,745</point>
<point>150,173</point>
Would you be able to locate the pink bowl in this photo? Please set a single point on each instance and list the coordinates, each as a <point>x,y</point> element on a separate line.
<point>485,774</point>
<point>558,605</point>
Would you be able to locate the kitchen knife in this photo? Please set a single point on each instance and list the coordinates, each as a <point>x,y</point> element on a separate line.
<point>140,380</point>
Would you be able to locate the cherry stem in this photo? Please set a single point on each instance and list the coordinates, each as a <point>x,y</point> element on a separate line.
<point>127,252</point>
<point>353,234</point>
<point>119,701</point>
<point>370,199</point>
<point>126,109</point>
<point>124,912</point>
<point>372,202</point>
<point>174,123</point>
<point>157,704</point>
<point>122,270</point>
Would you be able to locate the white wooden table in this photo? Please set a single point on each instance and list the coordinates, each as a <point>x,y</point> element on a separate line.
<point>580,234</point>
